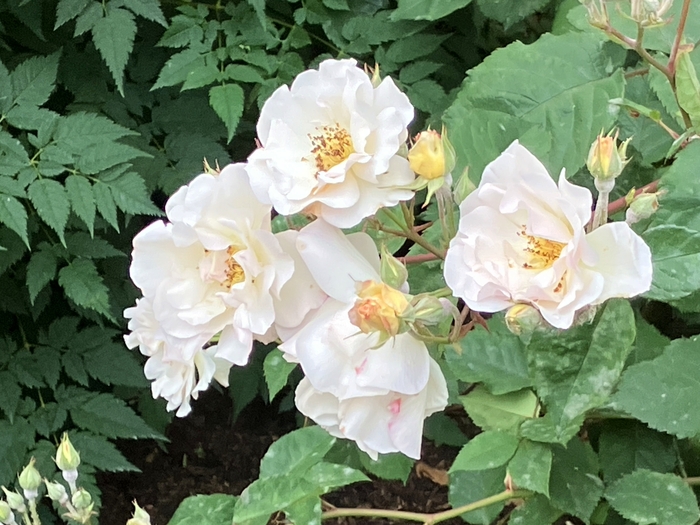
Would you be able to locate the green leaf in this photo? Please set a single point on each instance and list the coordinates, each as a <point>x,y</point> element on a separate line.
<point>51,202</point>
<point>48,418</point>
<point>227,101</point>
<point>548,429</point>
<point>33,80</point>
<point>496,359</point>
<point>74,367</point>
<point>88,18</point>
<point>426,9</point>
<point>276,370</point>
<point>306,511</point>
<point>676,260</point>
<point>574,485</point>
<point>259,6</point>
<point>68,9</point>
<point>15,439</point>
<point>131,196</point>
<point>296,452</point>
<point>488,450</point>
<point>148,9</point>
<point>625,446</point>
<point>505,412</point>
<point>650,497</point>
<point>82,200</point>
<point>203,74</point>
<point>105,203</point>
<point>41,270</point>
<point>178,67</point>
<point>5,90</point>
<point>211,509</point>
<point>113,37</point>
<point>467,487</point>
<point>415,46</point>
<point>105,414</point>
<point>100,453</point>
<point>10,393</point>
<point>508,12</point>
<point>265,496</point>
<point>328,476</point>
<point>14,216</point>
<point>244,73</point>
<point>537,93</point>
<point>535,511</point>
<point>531,466</point>
<point>443,430</point>
<point>82,130</point>
<point>663,392</point>
<point>576,370</point>
<point>81,244</point>
<point>115,365</point>
<point>388,466</point>
<point>85,286</point>
<point>418,70</point>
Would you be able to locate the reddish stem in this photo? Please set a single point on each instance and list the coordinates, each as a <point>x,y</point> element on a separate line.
<point>417,259</point>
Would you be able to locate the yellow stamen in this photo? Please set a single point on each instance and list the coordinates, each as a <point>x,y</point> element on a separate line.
<point>234,272</point>
<point>540,253</point>
<point>331,146</point>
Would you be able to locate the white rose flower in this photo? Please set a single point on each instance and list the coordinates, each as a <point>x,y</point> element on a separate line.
<point>379,424</point>
<point>521,239</point>
<point>330,144</point>
<point>351,375</point>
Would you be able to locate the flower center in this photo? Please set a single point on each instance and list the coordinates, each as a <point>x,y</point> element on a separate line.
<point>234,272</point>
<point>540,253</point>
<point>331,146</point>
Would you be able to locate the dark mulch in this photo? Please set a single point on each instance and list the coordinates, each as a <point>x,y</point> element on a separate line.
<point>207,454</point>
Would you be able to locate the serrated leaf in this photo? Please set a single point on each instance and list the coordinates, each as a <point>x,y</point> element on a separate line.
<point>468,487</point>
<point>5,90</point>
<point>536,93</point>
<point>41,270</point>
<point>210,509</point>
<point>74,367</point>
<point>265,496</point>
<point>113,37</point>
<point>184,31</point>
<point>81,130</point>
<point>388,466</point>
<point>15,439</point>
<point>243,73</point>
<point>508,12</point>
<point>10,393</point>
<point>417,71</point>
<point>48,418</point>
<point>535,511</point>
<point>105,203</point>
<point>81,244</point>
<point>106,415</point>
<point>148,9</point>
<point>14,216</point>
<point>177,68</point>
<point>505,412</point>
<point>574,485</point>
<point>13,156</point>
<point>328,476</point>
<point>625,446</point>
<point>114,365</point>
<point>69,9</point>
<point>202,74</point>
<point>100,453</point>
<point>276,370</point>
<point>426,9</point>
<point>488,450</point>
<point>131,196</point>
<point>496,359</point>
<point>259,7</point>
<point>675,254</point>
<point>306,511</point>
<point>84,285</point>
<point>415,46</point>
<point>296,452</point>
<point>663,392</point>
<point>227,102</point>
<point>34,79</point>
<point>531,466</point>
<point>88,18</point>
<point>647,497</point>
<point>82,200</point>
<point>51,202</point>
<point>577,370</point>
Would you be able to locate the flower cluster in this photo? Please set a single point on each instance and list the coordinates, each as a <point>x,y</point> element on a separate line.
<point>215,278</point>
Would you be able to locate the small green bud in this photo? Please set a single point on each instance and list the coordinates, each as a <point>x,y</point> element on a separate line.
<point>67,458</point>
<point>393,272</point>
<point>523,319</point>
<point>463,187</point>
<point>6,514</point>
<point>81,499</point>
<point>140,516</point>
<point>56,491</point>
<point>428,309</point>
<point>15,500</point>
<point>642,206</point>
<point>29,478</point>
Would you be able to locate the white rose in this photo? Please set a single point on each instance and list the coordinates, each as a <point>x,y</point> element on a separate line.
<point>330,144</point>
<point>521,239</point>
<point>379,424</point>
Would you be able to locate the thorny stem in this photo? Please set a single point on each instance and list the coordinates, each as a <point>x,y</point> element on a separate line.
<point>620,204</point>
<point>427,519</point>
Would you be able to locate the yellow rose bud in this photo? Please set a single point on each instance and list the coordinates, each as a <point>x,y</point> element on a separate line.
<point>378,308</point>
<point>605,159</point>
<point>432,155</point>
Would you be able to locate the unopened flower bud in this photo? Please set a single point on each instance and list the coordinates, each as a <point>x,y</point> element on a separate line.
<point>140,516</point>
<point>81,499</point>
<point>642,206</point>
<point>15,500</point>
<point>67,458</point>
<point>428,309</point>
<point>375,77</point>
<point>432,155</point>
<point>523,319</point>
<point>606,159</point>
<point>393,272</point>
<point>6,515</point>
<point>208,169</point>
<point>56,492</point>
<point>378,309</point>
<point>30,480</point>
<point>463,187</point>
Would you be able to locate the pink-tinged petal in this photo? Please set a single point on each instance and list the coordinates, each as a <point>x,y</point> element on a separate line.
<point>333,261</point>
<point>624,261</point>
